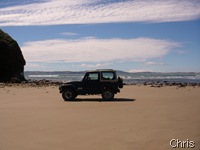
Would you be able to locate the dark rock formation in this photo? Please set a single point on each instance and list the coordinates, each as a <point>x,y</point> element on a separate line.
<point>11,60</point>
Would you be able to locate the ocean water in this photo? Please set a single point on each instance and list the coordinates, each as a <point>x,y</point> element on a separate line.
<point>129,78</point>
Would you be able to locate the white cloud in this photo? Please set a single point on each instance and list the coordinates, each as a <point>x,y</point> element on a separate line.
<point>181,52</point>
<point>35,66</point>
<point>53,12</point>
<point>98,65</point>
<point>154,63</point>
<point>139,70</point>
<point>97,50</point>
<point>69,34</point>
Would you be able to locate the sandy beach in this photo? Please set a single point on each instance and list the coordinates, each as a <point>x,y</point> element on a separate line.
<point>141,117</point>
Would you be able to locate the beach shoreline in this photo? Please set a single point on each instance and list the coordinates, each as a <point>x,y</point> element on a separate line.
<point>45,82</point>
<point>140,117</point>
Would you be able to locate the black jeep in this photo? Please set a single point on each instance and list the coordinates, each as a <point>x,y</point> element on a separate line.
<point>104,82</point>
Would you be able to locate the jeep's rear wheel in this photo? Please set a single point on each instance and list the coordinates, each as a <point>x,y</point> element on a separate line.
<point>68,94</point>
<point>107,94</point>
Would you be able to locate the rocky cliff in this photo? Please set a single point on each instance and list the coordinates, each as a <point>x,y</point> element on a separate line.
<point>11,60</point>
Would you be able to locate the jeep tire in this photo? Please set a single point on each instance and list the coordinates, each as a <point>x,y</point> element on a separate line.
<point>120,82</point>
<point>108,94</point>
<point>68,94</point>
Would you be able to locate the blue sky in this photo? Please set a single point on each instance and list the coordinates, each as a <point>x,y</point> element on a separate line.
<point>128,35</point>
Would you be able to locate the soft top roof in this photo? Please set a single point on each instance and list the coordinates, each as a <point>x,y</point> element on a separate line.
<point>101,70</point>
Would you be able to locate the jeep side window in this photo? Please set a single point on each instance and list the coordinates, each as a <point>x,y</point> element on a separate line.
<point>108,76</point>
<point>92,76</point>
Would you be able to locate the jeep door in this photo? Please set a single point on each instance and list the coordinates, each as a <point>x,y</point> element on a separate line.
<point>91,83</point>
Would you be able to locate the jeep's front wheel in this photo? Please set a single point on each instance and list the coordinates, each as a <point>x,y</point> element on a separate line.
<point>107,94</point>
<point>68,94</point>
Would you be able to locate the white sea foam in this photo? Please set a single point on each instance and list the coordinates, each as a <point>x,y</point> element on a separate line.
<point>181,77</point>
<point>43,76</point>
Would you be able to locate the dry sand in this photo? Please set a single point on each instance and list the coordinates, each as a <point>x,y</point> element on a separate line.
<point>141,118</point>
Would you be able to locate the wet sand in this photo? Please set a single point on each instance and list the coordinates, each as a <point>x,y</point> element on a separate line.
<point>141,117</point>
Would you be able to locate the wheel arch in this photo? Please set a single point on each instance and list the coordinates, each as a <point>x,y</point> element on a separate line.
<point>64,87</point>
<point>110,88</point>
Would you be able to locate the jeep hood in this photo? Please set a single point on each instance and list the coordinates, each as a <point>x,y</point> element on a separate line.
<point>73,82</point>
